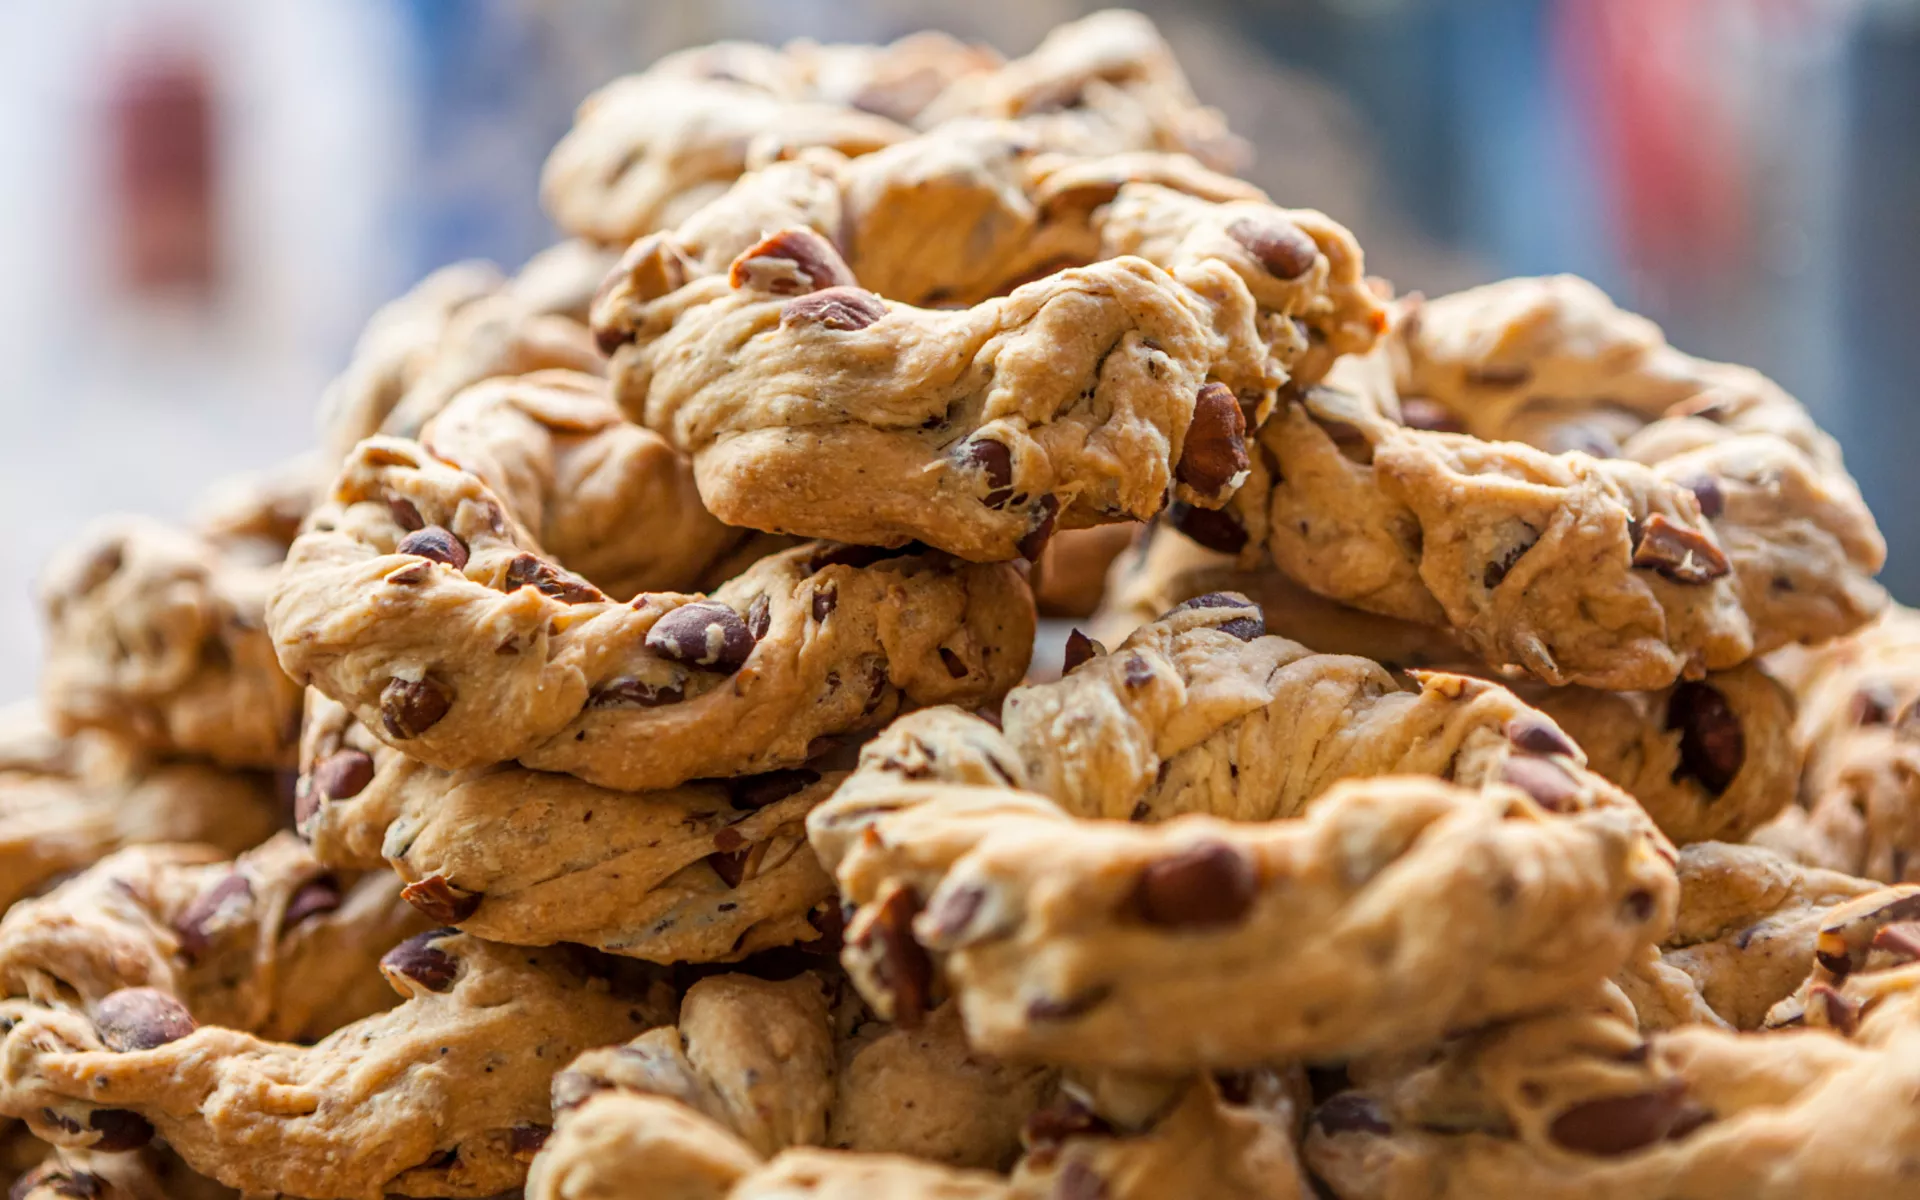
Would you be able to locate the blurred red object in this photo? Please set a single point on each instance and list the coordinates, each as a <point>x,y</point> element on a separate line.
<point>1652,76</point>
<point>164,174</point>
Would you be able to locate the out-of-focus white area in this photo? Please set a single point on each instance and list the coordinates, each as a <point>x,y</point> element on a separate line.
<point>114,401</point>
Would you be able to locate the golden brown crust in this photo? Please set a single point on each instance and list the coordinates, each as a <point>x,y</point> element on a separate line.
<point>66,802</point>
<point>1055,936</point>
<point>443,1095</point>
<point>509,657</point>
<point>270,942</point>
<point>158,636</point>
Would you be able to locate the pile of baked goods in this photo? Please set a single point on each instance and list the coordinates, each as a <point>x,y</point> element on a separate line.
<point>1485,767</point>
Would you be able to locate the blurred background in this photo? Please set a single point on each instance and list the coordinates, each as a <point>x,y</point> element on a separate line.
<point>202,200</point>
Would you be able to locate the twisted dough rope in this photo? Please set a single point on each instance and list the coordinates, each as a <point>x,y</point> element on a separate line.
<point>1580,1104</point>
<point>809,404</point>
<point>610,500</point>
<point>750,1075</point>
<point>1730,529</point>
<point>147,1174</point>
<point>269,942</point>
<point>66,802</point>
<point>1056,934</point>
<point>460,325</point>
<point>784,1064</point>
<point>1858,697</point>
<point>157,635</point>
<point>444,1095</point>
<point>647,151</point>
<point>704,872</point>
<point>1199,713</point>
<point>1743,936</point>
<point>1707,759</point>
<point>463,648</point>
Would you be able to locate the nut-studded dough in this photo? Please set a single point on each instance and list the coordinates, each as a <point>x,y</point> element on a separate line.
<point>1858,697</point>
<point>1523,358</point>
<point>1105,83</point>
<point>697,1112</point>
<point>1580,1104</point>
<point>1169,567</point>
<point>815,406</point>
<point>66,802</point>
<point>610,500</point>
<point>270,942</point>
<point>1712,758</point>
<point>649,150</point>
<point>425,642</point>
<point>147,1174</point>
<point>1199,713</point>
<point>158,635</point>
<point>707,871</point>
<point>458,326</point>
<point>1746,929</point>
<point>1709,759</point>
<point>779,1065</point>
<point>1728,529</point>
<point>444,1095</point>
<point>1057,936</point>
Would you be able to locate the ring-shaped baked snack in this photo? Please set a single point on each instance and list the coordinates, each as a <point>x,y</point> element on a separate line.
<point>416,599</point>
<point>157,635</point>
<point>1580,1104</point>
<point>708,871</point>
<point>1708,759</point>
<point>967,868</point>
<point>609,499</point>
<point>445,1094</point>
<point>67,802</point>
<point>1859,697</point>
<point>813,400</point>
<point>270,942</point>
<point>1724,527</point>
<point>649,150</point>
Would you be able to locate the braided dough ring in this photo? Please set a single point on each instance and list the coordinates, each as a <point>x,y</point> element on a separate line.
<point>269,943</point>
<point>1054,934</point>
<point>707,871</point>
<point>812,405</point>
<point>751,1074</point>
<point>446,652</point>
<point>1579,1104</point>
<point>1712,758</point>
<point>458,326</point>
<point>443,1095</point>
<point>1730,529</point>
<point>610,500</point>
<point>782,1064</point>
<point>157,635</point>
<point>67,802</point>
<point>1858,699</point>
<point>650,150</point>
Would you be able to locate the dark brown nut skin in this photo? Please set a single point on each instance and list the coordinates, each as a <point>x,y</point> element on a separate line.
<point>705,633</point>
<point>1205,884</point>
<point>842,309</point>
<point>1712,745</point>
<point>408,708</point>
<point>141,1018</point>
<point>416,959</point>
<point>1279,246</point>
<point>1678,553</point>
<point>791,262</point>
<point>1214,457</point>
<point>436,543</point>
